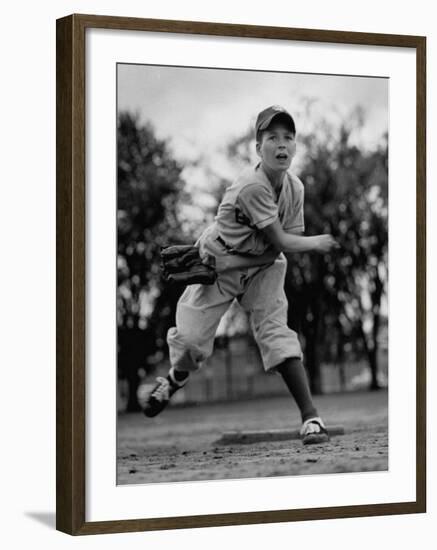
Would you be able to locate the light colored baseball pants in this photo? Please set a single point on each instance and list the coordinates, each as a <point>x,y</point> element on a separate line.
<point>259,290</point>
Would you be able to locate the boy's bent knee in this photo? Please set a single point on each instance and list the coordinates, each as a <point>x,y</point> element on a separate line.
<point>277,344</point>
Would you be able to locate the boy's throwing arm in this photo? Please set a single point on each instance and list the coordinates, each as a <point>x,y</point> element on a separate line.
<point>290,243</point>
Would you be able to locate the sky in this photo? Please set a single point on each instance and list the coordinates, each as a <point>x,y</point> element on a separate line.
<point>199,110</point>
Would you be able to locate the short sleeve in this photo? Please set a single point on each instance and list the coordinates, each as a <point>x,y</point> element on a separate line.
<point>255,206</point>
<point>296,222</point>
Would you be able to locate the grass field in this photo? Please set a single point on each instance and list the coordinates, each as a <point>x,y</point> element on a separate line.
<point>181,443</point>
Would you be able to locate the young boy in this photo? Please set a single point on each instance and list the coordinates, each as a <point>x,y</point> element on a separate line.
<point>259,218</point>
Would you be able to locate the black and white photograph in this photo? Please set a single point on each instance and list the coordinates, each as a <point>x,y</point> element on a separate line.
<point>252,274</point>
<point>219,289</point>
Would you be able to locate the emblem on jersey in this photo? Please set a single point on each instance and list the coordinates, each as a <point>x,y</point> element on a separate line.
<point>242,219</point>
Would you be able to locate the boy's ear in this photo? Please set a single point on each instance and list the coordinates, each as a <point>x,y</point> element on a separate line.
<point>258,148</point>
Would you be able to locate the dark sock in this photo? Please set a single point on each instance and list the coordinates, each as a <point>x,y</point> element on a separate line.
<point>294,375</point>
<point>179,375</point>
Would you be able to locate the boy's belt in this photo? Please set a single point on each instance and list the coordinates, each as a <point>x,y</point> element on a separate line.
<point>232,250</point>
<point>228,248</point>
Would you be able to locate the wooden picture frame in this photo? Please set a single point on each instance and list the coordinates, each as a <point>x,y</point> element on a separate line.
<point>71,273</point>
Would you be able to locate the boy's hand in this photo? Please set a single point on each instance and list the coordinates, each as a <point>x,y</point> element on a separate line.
<point>325,243</point>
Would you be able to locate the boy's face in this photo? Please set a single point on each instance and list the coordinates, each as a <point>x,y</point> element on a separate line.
<point>277,146</point>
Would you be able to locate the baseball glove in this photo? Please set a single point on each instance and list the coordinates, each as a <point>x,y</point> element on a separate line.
<point>182,264</point>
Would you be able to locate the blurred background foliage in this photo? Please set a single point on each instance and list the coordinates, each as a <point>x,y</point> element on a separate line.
<point>149,189</point>
<point>338,301</point>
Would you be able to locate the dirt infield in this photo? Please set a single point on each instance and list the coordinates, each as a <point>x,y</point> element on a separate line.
<point>180,444</point>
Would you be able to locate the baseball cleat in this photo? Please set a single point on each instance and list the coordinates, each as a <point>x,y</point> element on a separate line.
<point>313,432</point>
<point>160,396</point>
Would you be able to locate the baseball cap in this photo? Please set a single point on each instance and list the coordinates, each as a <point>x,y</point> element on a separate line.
<point>265,117</point>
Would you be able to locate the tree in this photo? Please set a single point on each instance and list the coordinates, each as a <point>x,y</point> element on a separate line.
<point>149,188</point>
<point>340,294</point>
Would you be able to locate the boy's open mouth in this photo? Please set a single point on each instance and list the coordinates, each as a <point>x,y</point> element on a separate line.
<point>282,156</point>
